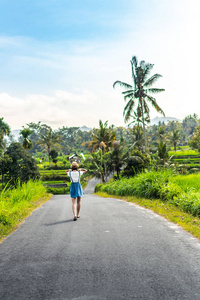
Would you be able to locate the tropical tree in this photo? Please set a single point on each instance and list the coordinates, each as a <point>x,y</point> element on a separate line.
<point>139,94</point>
<point>195,140</point>
<point>54,155</point>
<point>4,131</point>
<point>19,164</point>
<point>162,152</point>
<point>5,160</point>
<point>138,137</point>
<point>27,143</point>
<point>189,123</point>
<point>174,137</point>
<point>49,138</point>
<point>117,158</point>
<point>136,162</point>
<point>161,133</point>
<point>97,164</point>
<point>102,138</point>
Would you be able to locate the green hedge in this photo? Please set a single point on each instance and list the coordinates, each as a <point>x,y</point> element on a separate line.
<point>58,191</point>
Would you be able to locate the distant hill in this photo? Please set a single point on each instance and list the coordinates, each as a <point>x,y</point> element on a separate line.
<point>156,120</point>
<point>85,128</point>
<point>15,133</point>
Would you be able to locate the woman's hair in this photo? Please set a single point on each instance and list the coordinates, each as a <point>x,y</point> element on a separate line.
<point>74,166</point>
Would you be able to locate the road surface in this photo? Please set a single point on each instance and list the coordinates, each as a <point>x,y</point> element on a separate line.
<point>115,251</point>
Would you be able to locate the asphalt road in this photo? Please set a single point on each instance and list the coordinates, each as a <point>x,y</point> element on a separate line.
<point>116,250</point>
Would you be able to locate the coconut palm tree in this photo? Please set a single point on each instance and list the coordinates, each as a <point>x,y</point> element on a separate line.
<point>139,94</point>
<point>102,138</point>
<point>49,138</point>
<point>174,137</point>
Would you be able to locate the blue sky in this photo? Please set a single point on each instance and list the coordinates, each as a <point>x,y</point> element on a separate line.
<point>59,59</point>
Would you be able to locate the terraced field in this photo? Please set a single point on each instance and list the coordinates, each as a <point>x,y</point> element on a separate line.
<point>186,160</point>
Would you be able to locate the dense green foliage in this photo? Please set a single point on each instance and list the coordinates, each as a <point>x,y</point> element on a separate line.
<point>21,165</point>
<point>182,191</point>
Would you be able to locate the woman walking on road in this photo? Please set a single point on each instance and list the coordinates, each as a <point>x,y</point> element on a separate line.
<point>76,191</point>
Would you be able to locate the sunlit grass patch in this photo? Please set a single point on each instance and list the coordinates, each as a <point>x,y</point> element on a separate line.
<point>185,152</point>
<point>16,204</point>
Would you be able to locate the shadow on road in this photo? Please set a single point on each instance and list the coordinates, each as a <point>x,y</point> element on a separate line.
<point>57,223</point>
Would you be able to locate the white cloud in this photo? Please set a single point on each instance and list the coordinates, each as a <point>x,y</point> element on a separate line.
<point>70,82</point>
<point>60,109</point>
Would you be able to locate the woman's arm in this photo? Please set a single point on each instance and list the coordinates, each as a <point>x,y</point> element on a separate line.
<point>67,171</point>
<point>83,170</point>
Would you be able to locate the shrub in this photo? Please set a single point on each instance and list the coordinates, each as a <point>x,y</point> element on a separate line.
<point>181,190</point>
<point>169,191</point>
<point>189,202</point>
<point>98,187</point>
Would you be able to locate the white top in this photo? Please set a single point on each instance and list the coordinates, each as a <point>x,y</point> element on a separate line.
<point>75,175</point>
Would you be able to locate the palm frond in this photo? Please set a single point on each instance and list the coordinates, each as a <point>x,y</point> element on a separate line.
<point>152,80</point>
<point>136,158</point>
<point>123,84</point>
<point>155,90</point>
<point>129,105</point>
<point>134,61</point>
<point>146,108</point>
<point>129,91</point>
<point>155,104</point>
<point>127,110</point>
<point>147,70</point>
<point>129,96</point>
<point>142,64</point>
<point>133,145</point>
<point>133,71</point>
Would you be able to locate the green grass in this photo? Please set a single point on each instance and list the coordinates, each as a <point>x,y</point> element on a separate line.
<point>184,153</point>
<point>54,182</point>
<point>16,204</point>
<point>162,185</point>
<point>188,182</point>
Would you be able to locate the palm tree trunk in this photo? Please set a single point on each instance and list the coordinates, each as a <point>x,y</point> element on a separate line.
<point>175,146</point>
<point>2,176</point>
<point>49,156</point>
<point>145,137</point>
<point>144,128</point>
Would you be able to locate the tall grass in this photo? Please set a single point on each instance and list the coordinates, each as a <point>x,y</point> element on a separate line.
<point>188,182</point>
<point>17,203</point>
<point>181,190</point>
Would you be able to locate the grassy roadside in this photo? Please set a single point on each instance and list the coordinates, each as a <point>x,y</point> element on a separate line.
<point>18,204</point>
<point>169,211</point>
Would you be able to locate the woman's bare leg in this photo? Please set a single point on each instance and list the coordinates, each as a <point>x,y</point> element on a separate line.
<point>78,206</point>
<point>74,206</point>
